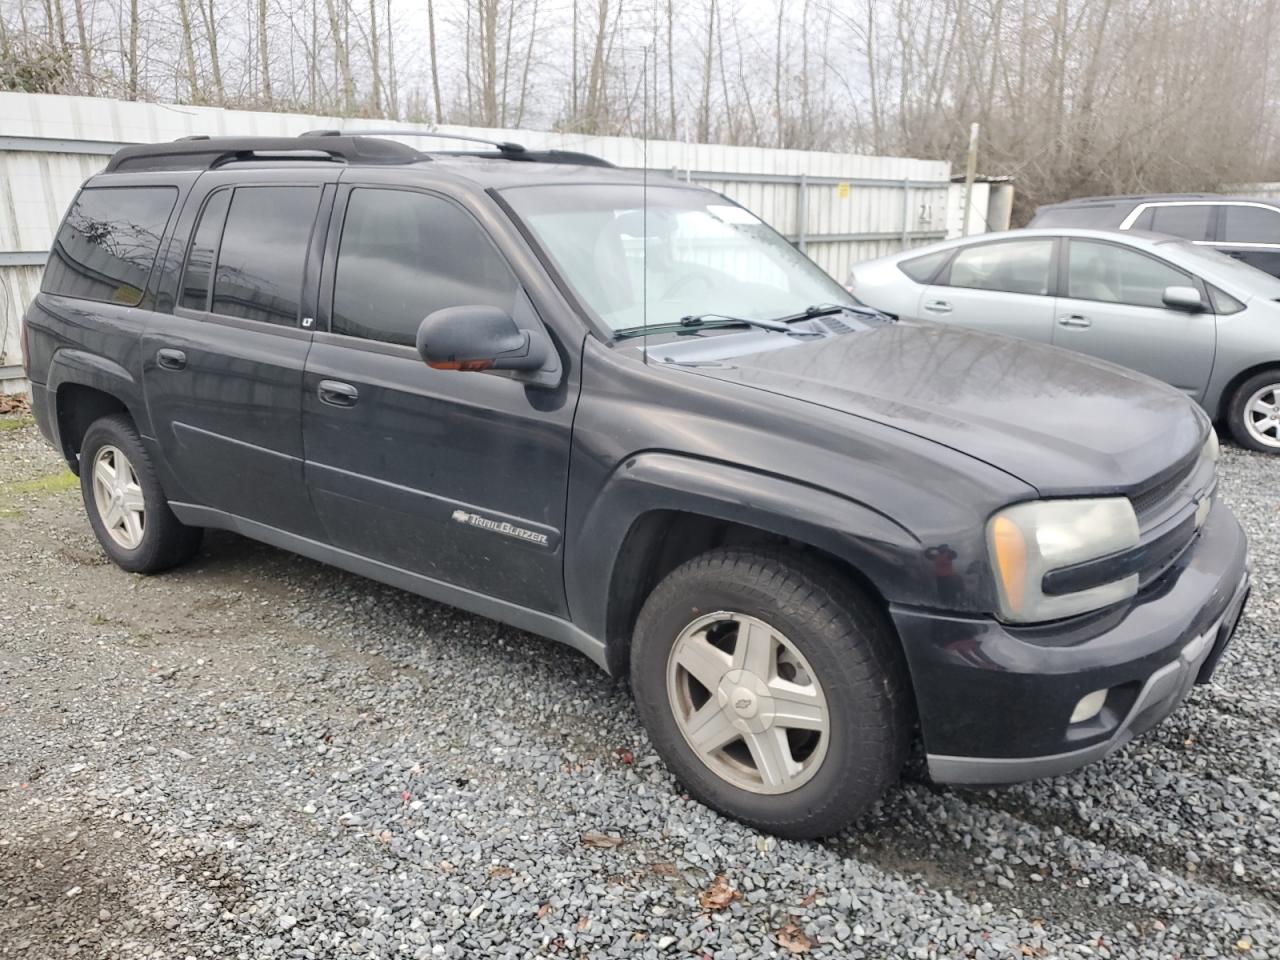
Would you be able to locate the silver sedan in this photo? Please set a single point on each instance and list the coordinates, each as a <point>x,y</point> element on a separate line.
<point>1182,313</point>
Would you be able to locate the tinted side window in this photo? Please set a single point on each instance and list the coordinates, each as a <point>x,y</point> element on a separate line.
<point>1092,215</point>
<point>1102,271</point>
<point>204,248</point>
<point>107,245</point>
<point>922,269</point>
<point>1250,225</point>
<point>1145,220</point>
<point>404,255</point>
<point>264,250</point>
<point>1189,221</point>
<point>1014,266</point>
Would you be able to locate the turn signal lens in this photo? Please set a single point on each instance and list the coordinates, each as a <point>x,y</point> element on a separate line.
<point>1011,560</point>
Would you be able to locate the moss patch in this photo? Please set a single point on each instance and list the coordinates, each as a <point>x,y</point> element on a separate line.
<point>53,483</point>
<point>15,423</point>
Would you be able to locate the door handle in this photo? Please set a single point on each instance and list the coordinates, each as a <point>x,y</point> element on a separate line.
<point>171,359</point>
<point>937,306</point>
<point>337,394</point>
<point>1074,320</point>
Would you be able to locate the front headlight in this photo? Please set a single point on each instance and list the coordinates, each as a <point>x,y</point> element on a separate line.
<point>1031,539</point>
<point>1210,451</point>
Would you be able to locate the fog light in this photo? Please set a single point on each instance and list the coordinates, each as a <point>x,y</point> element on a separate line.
<point>1089,706</point>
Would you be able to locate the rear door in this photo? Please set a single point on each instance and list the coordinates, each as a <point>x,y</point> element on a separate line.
<point>1112,307</point>
<point>1002,287</point>
<point>223,374</point>
<point>459,477</point>
<point>1250,232</point>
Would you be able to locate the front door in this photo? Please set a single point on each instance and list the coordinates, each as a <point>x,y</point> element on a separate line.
<point>1113,308</point>
<point>223,373</point>
<point>460,477</point>
<point>1001,287</point>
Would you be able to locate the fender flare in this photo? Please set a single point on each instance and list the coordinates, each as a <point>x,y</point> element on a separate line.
<point>72,367</point>
<point>659,481</point>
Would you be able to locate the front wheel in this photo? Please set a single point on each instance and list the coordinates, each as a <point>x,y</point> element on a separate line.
<point>1254,412</point>
<point>773,688</point>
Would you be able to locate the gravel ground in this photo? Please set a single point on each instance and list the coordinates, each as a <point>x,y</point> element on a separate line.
<point>259,756</point>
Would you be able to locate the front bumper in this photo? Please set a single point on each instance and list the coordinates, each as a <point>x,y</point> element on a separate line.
<point>995,701</point>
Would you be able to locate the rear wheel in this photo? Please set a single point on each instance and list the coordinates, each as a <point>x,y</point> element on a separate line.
<point>126,505</point>
<point>1254,412</point>
<point>773,688</point>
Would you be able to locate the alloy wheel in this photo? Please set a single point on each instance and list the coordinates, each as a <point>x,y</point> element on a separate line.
<point>118,497</point>
<point>748,703</point>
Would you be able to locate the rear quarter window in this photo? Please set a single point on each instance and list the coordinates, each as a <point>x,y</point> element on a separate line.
<point>107,244</point>
<point>923,269</point>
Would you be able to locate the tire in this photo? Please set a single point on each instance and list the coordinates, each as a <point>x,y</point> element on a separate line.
<point>141,541</point>
<point>1259,434</point>
<point>826,635</point>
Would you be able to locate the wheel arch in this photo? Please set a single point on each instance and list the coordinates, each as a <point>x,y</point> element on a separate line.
<point>84,388</point>
<point>659,510</point>
<point>1222,407</point>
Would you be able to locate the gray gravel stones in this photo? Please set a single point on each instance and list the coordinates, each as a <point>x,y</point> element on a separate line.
<point>260,756</point>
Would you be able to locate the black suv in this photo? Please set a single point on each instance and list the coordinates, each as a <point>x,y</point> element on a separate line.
<point>1247,228</point>
<point>637,421</point>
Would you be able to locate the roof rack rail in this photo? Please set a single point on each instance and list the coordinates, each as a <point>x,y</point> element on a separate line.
<point>506,149</point>
<point>506,146</point>
<point>204,152</point>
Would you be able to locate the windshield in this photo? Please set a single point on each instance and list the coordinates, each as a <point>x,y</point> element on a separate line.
<point>691,253</point>
<point>1253,282</point>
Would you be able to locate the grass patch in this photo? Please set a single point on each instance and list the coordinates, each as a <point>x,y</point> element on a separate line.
<point>20,422</point>
<point>53,483</point>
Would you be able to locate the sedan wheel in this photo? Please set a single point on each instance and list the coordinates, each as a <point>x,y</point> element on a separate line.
<point>1262,415</point>
<point>1253,413</point>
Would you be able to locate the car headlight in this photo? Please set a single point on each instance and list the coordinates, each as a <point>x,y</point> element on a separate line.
<point>1211,451</point>
<point>1029,540</point>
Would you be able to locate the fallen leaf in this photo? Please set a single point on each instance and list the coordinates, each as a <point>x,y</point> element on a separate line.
<point>544,910</point>
<point>792,939</point>
<point>719,895</point>
<point>501,873</point>
<point>810,900</point>
<point>603,841</point>
<point>666,870</point>
<point>626,756</point>
<point>1027,950</point>
<point>584,923</point>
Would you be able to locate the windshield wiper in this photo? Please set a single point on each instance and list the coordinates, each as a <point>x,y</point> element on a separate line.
<point>826,309</point>
<point>718,321</point>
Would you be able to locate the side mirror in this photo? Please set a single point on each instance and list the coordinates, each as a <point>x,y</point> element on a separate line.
<point>478,338</point>
<point>1183,298</point>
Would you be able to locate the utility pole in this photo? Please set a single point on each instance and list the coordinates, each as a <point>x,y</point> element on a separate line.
<point>970,170</point>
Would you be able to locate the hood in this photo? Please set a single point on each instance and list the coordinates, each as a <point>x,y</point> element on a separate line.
<point>1057,420</point>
